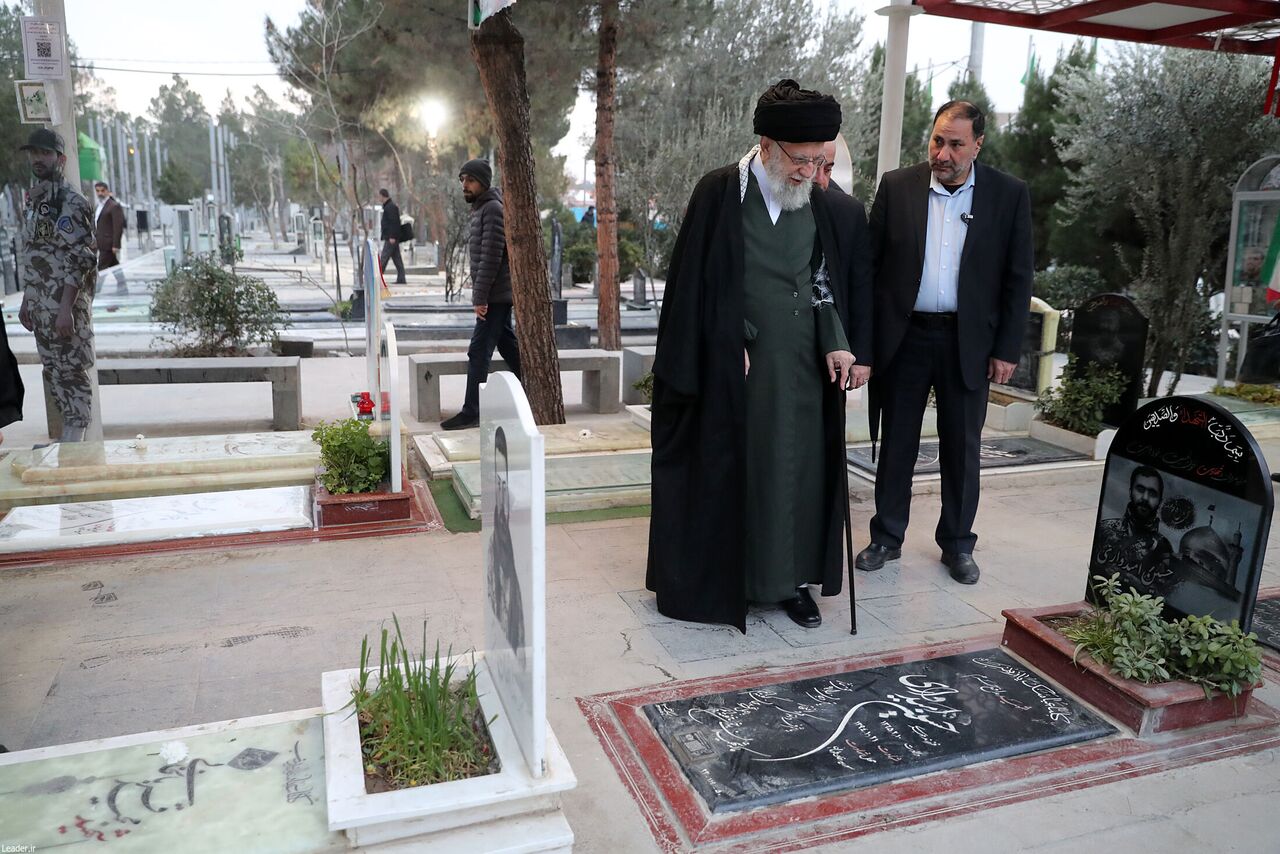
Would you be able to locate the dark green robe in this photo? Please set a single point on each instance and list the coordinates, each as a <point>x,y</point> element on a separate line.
<point>787,339</point>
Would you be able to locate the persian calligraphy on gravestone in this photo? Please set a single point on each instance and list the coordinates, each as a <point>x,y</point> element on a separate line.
<point>1266,622</point>
<point>750,748</point>
<point>513,536</point>
<point>1185,509</point>
<point>1109,330</point>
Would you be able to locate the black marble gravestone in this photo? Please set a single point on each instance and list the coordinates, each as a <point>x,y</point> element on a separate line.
<point>993,453</point>
<point>1266,622</point>
<point>1185,509</point>
<point>1108,329</point>
<point>1027,372</point>
<point>750,748</point>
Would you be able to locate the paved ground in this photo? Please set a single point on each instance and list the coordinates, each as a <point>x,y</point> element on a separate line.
<point>221,634</point>
<point>218,634</point>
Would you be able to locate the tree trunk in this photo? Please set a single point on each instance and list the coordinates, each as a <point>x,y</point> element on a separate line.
<point>609,321</point>
<point>498,50</point>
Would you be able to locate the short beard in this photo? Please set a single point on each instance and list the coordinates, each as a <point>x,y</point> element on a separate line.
<point>791,197</point>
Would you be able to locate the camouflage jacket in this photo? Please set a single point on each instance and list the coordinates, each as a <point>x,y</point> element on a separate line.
<point>57,239</point>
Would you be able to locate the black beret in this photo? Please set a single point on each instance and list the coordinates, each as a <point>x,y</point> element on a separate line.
<point>787,113</point>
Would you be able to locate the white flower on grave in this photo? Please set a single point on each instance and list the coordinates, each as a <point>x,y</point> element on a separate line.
<point>584,434</point>
<point>139,442</point>
<point>173,751</point>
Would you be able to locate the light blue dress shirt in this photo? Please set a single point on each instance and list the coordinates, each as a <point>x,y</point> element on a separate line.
<point>943,243</point>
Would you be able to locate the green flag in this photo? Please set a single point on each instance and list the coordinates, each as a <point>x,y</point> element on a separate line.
<point>1031,63</point>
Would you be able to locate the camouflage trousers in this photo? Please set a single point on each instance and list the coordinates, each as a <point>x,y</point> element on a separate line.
<point>66,361</point>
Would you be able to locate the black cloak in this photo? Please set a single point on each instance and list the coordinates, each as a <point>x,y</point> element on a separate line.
<point>699,400</point>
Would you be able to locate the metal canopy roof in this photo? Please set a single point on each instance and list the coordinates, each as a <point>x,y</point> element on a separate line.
<point>1235,26</point>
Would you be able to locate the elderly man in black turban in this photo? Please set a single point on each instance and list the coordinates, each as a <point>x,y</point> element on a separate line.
<point>765,324</point>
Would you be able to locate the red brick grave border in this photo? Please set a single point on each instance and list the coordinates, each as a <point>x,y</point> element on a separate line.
<point>680,820</point>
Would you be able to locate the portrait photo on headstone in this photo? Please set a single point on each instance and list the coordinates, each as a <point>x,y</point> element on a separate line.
<point>504,583</point>
<point>1185,510</point>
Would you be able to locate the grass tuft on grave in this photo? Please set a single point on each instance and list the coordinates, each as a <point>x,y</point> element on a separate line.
<point>1128,634</point>
<point>420,721</point>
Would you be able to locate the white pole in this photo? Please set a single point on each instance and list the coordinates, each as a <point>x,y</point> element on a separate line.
<point>63,95</point>
<point>122,147</point>
<point>213,163</point>
<point>895,84</point>
<point>146,159</point>
<point>139,199</point>
<point>976,33</point>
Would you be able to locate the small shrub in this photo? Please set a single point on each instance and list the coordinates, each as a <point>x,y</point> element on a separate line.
<point>1082,395</point>
<point>644,385</point>
<point>422,723</point>
<point>1065,288</point>
<point>583,258</point>
<point>353,460</point>
<point>342,309</point>
<point>1128,634</point>
<point>209,310</point>
<point>1267,394</point>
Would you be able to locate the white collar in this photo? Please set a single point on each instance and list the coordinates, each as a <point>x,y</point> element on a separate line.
<point>752,163</point>
<point>936,185</point>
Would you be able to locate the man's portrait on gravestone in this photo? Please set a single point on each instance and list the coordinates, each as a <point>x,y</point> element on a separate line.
<point>1132,544</point>
<point>1101,343</point>
<point>503,583</point>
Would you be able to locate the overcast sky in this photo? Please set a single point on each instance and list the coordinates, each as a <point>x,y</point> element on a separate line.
<point>219,45</point>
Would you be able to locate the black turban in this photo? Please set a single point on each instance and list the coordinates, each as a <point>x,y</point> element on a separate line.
<point>788,113</point>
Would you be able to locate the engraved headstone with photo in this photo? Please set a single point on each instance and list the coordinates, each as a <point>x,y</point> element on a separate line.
<point>513,537</point>
<point>1185,510</point>
<point>1027,371</point>
<point>1109,330</point>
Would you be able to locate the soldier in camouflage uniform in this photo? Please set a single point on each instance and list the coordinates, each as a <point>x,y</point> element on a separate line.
<point>59,269</point>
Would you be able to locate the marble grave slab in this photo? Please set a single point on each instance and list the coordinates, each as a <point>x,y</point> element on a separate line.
<point>575,483</point>
<point>257,788</point>
<point>1266,622</point>
<point>751,748</point>
<point>175,455</point>
<point>999,452</point>
<point>134,520</point>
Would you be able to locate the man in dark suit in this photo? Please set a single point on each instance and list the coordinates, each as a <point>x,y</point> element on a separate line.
<point>108,232</point>
<point>391,235</point>
<point>951,245</point>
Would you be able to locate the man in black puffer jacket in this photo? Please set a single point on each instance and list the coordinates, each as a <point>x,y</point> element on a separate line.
<point>391,235</point>
<point>490,289</point>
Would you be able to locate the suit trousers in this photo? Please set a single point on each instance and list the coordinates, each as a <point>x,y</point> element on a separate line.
<point>495,329</point>
<point>929,357</point>
<point>391,252</point>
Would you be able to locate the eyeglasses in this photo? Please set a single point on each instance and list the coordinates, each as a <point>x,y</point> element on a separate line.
<point>815,162</point>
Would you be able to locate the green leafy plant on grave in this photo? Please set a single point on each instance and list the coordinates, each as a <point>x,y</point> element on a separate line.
<point>1082,395</point>
<point>644,385</point>
<point>210,310</point>
<point>1127,633</point>
<point>341,309</point>
<point>1267,394</point>
<point>351,460</point>
<point>422,722</point>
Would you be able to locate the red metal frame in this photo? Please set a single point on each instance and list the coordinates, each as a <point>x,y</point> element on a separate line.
<point>1071,21</point>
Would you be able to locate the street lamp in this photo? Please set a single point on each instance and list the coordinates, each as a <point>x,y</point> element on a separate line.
<point>432,113</point>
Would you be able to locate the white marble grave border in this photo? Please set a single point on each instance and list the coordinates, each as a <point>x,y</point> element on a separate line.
<point>393,397</point>
<point>442,807</point>
<point>55,751</point>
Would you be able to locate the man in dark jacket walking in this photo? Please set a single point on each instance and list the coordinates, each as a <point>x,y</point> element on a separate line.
<point>391,235</point>
<point>108,235</point>
<point>490,289</point>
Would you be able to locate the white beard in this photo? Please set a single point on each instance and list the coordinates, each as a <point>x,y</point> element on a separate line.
<point>789,196</point>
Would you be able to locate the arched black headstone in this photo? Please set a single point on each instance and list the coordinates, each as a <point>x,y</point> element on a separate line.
<point>1185,509</point>
<point>1108,330</point>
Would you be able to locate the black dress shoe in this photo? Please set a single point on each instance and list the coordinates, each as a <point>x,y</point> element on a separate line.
<point>802,609</point>
<point>461,421</point>
<point>875,556</point>
<point>963,567</point>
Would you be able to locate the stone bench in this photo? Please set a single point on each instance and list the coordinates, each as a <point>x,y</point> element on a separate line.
<point>636,362</point>
<point>600,370</point>
<point>283,372</point>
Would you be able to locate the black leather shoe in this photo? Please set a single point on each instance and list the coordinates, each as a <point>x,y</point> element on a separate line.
<point>875,556</point>
<point>461,421</point>
<point>963,567</point>
<point>802,609</point>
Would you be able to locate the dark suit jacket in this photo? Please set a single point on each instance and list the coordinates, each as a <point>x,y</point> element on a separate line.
<point>996,266</point>
<point>109,231</point>
<point>390,221</point>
